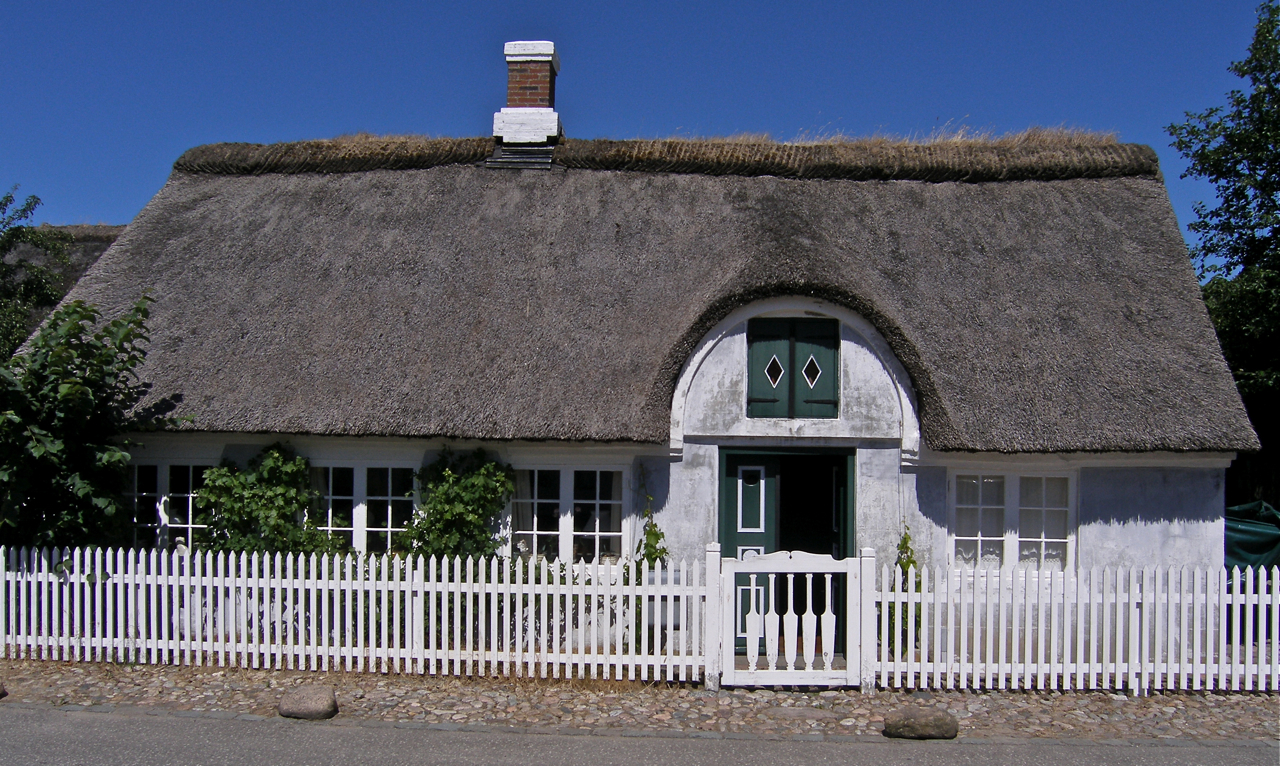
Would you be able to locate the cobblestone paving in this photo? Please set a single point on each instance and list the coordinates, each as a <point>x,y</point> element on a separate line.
<point>669,709</point>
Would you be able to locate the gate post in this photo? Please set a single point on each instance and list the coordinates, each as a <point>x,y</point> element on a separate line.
<point>712,619</point>
<point>867,620</point>
<point>853,621</point>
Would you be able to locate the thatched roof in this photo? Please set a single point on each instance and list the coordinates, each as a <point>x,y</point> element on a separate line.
<point>408,291</point>
<point>88,241</point>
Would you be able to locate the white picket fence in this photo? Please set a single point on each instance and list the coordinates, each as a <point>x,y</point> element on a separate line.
<point>1140,629</point>
<point>492,616</point>
<point>1137,629</point>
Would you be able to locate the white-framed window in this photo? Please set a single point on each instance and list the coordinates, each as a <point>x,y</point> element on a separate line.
<point>571,514</point>
<point>336,487</point>
<point>143,496</point>
<point>179,514</point>
<point>1003,519</point>
<point>597,515</point>
<point>535,514</point>
<point>979,521</point>
<point>364,504</point>
<point>389,496</point>
<point>1044,512</point>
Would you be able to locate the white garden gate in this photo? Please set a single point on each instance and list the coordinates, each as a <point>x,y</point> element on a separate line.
<point>805,610</point>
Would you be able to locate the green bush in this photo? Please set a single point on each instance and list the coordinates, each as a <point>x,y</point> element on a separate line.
<point>463,496</point>
<point>263,509</point>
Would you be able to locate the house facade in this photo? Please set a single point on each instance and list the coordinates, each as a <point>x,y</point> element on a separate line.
<point>996,345</point>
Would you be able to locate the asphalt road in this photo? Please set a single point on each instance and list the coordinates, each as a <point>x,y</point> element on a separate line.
<point>47,736</point>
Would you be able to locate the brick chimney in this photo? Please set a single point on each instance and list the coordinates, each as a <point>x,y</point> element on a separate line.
<point>530,115</point>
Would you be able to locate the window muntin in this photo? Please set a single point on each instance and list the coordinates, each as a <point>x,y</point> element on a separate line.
<point>335,512</point>
<point>1043,510</point>
<point>571,514</point>
<point>181,514</point>
<point>597,515</point>
<point>388,505</point>
<point>1002,520</point>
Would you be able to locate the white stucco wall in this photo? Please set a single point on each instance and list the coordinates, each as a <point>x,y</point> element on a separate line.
<point>1151,516</point>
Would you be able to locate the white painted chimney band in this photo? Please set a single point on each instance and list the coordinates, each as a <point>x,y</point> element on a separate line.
<point>533,50</point>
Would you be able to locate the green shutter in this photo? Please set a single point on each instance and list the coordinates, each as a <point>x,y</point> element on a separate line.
<point>804,382</point>
<point>816,384</point>
<point>768,339</point>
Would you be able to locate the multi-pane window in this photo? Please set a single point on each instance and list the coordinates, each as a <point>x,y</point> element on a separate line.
<point>388,506</point>
<point>979,531</point>
<point>143,496</point>
<point>1005,520</point>
<point>1043,507</point>
<point>181,511</point>
<point>597,515</point>
<point>568,515</point>
<point>535,514</point>
<point>335,512</point>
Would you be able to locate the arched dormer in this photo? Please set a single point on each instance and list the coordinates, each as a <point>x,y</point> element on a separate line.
<point>876,400</point>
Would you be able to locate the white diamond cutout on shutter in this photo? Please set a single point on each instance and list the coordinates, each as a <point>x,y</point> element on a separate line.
<point>812,371</point>
<point>773,370</point>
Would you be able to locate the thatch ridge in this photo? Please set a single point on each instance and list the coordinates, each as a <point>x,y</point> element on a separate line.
<point>1036,154</point>
<point>348,154</point>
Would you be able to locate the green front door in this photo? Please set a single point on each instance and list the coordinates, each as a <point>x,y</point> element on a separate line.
<point>748,522</point>
<point>749,505</point>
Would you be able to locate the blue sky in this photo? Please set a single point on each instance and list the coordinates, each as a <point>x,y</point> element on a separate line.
<point>99,99</point>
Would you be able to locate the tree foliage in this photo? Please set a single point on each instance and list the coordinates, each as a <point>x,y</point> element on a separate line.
<point>25,287</point>
<point>1237,149</point>
<point>262,509</point>
<point>463,496</point>
<point>63,404</point>
<point>1246,314</point>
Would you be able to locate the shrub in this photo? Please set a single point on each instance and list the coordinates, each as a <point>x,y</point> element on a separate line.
<point>263,509</point>
<point>463,495</point>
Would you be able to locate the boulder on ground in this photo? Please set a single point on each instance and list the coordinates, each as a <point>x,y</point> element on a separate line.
<point>312,703</point>
<point>3,692</point>
<point>921,723</point>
